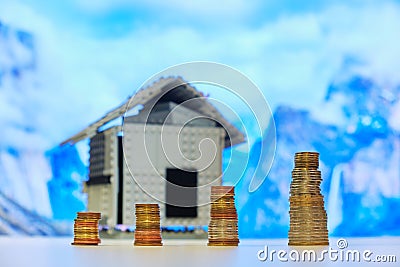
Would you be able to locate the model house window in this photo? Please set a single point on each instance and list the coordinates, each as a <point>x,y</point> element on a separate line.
<point>184,197</point>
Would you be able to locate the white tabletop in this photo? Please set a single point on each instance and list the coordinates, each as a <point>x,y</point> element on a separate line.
<point>58,252</point>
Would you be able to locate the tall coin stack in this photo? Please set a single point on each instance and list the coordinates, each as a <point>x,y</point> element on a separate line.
<point>308,219</point>
<point>223,229</point>
<point>86,228</point>
<point>148,230</point>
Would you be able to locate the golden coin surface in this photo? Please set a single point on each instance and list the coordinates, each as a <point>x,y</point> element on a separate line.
<point>308,219</point>
<point>86,228</point>
<point>223,229</point>
<point>148,230</point>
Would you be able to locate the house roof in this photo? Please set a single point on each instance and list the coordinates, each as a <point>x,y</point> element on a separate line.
<point>170,89</point>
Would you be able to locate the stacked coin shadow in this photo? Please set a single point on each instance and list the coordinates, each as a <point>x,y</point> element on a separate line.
<point>223,229</point>
<point>148,229</point>
<point>86,228</point>
<point>308,218</point>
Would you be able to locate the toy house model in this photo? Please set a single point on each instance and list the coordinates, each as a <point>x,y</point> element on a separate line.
<point>169,151</point>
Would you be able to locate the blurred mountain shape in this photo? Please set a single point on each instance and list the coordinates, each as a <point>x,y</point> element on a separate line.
<point>25,170</point>
<point>356,132</point>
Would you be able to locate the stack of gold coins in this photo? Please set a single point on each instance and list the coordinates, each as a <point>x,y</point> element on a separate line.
<point>86,228</point>
<point>223,229</point>
<point>148,230</point>
<point>308,219</point>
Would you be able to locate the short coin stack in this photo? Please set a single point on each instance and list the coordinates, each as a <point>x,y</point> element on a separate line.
<point>223,229</point>
<point>86,228</point>
<point>308,219</point>
<point>148,230</point>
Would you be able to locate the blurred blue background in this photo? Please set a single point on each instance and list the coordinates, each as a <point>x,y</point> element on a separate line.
<point>329,69</point>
